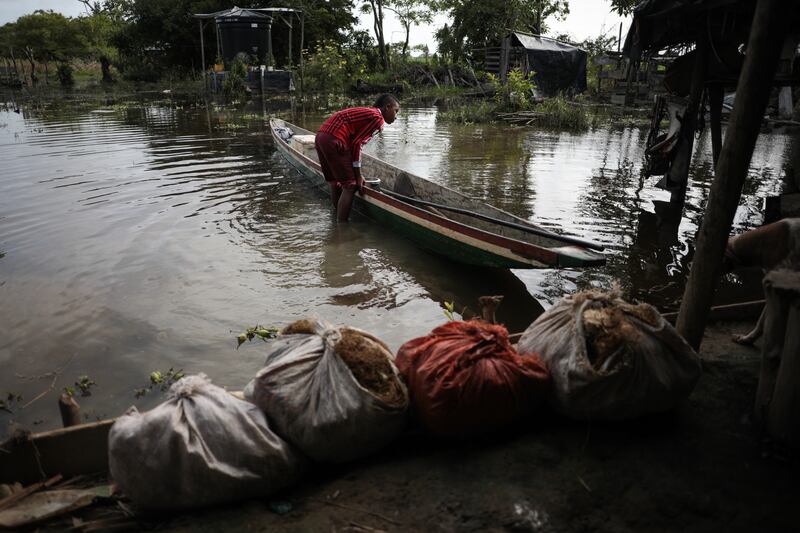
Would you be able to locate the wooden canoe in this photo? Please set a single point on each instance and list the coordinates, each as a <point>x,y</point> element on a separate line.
<point>441,219</point>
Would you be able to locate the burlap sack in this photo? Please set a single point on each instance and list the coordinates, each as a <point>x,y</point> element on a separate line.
<point>313,400</point>
<point>609,359</point>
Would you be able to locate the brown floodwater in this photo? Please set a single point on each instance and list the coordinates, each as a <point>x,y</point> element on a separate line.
<point>146,236</point>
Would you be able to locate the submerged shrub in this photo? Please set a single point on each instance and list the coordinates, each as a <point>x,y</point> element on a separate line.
<point>558,112</point>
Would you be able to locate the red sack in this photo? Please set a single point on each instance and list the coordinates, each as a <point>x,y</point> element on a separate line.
<point>465,378</point>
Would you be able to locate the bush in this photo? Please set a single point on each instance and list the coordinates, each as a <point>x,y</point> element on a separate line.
<point>469,113</point>
<point>64,73</point>
<point>139,69</point>
<point>326,69</point>
<point>558,112</point>
<point>517,93</point>
<point>234,84</point>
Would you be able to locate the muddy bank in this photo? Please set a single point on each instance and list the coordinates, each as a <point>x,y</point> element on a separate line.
<point>698,469</point>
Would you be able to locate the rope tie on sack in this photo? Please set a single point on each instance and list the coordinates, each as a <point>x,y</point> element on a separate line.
<point>330,336</point>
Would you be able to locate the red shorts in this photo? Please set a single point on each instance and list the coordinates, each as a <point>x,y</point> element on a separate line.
<point>335,159</point>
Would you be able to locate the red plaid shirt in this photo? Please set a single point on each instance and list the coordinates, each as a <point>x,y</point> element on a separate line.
<point>354,127</point>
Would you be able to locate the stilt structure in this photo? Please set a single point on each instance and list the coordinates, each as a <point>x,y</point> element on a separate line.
<point>250,31</point>
<point>768,31</point>
<point>736,43</point>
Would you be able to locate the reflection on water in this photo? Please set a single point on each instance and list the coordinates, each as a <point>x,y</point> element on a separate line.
<point>145,237</point>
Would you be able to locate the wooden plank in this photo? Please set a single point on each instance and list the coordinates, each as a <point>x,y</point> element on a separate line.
<point>737,311</point>
<point>7,502</point>
<point>69,451</point>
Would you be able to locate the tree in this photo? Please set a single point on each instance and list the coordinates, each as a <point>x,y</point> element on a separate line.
<point>100,27</point>
<point>167,27</point>
<point>47,36</point>
<point>477,24</point>
<point>624,7</point>
<point>376,8</point>
<point>411,12</point>
<point>7,44</point>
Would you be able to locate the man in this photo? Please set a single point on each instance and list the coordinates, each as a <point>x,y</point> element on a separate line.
<point>339,141</point>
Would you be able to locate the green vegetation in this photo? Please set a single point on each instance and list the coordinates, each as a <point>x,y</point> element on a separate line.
<point>85,385</point>
<point>479,24</point>
<point>234,85</point>
<point>146,40</point>
<point>449,310</point>
<point>160,380</point>
<point>263,333</point>
<point>470,112</point>
<point>558,112</point>
<point>516,93</point>
<point>155,45</point>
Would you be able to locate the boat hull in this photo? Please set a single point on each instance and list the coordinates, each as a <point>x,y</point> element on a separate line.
<point>434,231</point>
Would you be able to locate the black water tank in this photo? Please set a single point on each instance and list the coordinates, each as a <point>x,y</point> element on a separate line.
<point>243,33</point>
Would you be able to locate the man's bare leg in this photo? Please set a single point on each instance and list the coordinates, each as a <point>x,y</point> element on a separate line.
<point>336,192</point>
<point>345,203</point>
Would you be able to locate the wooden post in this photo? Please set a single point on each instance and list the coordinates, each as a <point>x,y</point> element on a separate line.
<point>70,410</point>
<point>269,43</point>
<point>219,43</point>
<point>289,23</point>
<point>763,49</point>
<point>778,399</point>
<point>785,106</point>
<point>678,175</point>
<point>716,94</point>
<point>302,37</point>
<point>202,55</point>
<point>505,51</point>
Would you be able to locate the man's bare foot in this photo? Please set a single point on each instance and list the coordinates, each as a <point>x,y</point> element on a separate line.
<point>746,340</point>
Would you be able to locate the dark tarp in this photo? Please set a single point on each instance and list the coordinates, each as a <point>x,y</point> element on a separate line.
<point>557,67</point>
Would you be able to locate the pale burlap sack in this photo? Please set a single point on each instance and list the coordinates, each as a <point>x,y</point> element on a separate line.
<point>200,447</point>
<point>313,400</point>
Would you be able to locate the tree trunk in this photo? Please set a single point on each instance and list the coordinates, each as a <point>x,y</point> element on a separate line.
<point>377,16</point>
<point>14,61</point>
<point>46,74</point>
<point>105,66</point>
<point>29,54</point>
<point>767,32</point>
<point>408,34</point>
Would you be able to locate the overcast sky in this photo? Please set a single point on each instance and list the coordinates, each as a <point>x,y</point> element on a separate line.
<point>586,19</point>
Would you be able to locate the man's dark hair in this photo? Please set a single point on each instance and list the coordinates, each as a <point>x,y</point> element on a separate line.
<point>384,100</point>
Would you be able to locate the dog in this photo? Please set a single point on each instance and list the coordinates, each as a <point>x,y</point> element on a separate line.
<point>775,245</point>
